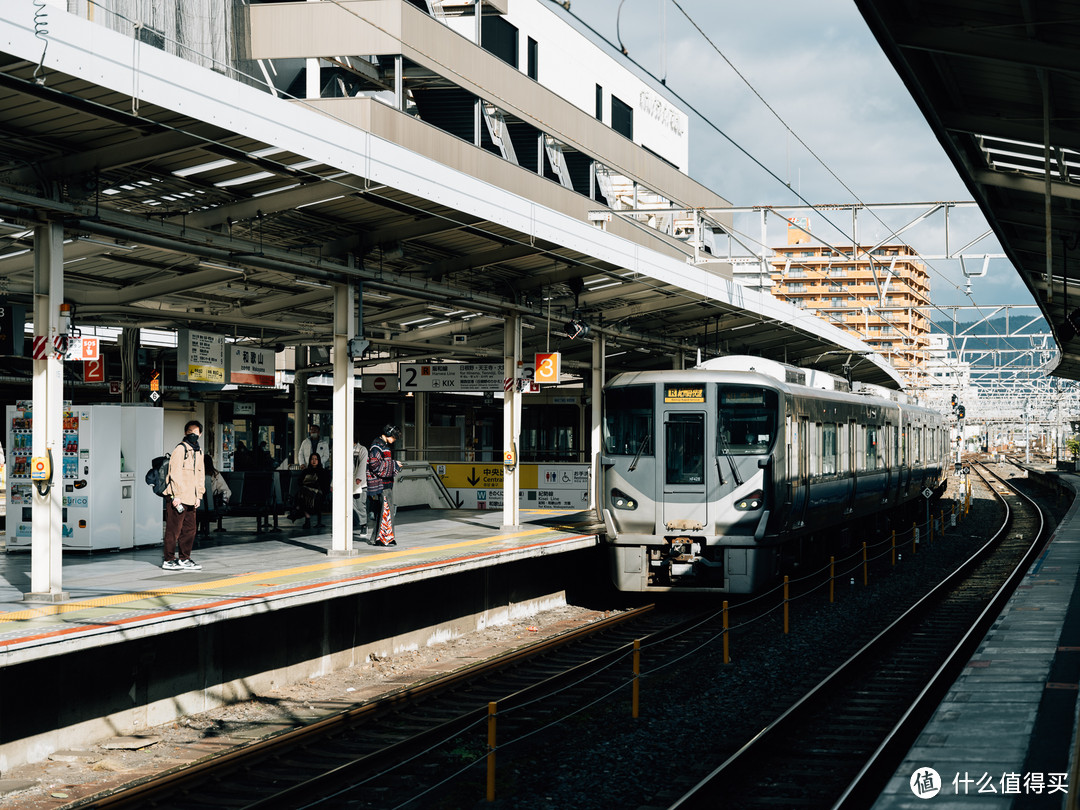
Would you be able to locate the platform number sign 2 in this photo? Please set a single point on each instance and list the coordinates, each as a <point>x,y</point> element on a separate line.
<point>94,370</point>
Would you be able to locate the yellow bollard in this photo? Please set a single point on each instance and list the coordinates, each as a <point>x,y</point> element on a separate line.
<point>865,567</point>
<point>894,547</point>
<point>637,680</point>
<point>491,753</point>
<point>785,604</point>
<point>941,517</point>
<point>727,658</point>
<point>832,579</point>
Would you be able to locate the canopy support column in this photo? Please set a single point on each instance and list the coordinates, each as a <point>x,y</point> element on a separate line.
<point>46,550</point>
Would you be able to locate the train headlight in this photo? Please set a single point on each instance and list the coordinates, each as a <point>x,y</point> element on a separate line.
<point>620,500</point>
<point>750,502</point>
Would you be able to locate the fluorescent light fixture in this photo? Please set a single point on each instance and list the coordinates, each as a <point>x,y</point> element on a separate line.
<point>308,282</point>
<point>213,266</point>
<point>377,296</point>
<point>239,181</point>
<point>425,319</point>
<point>203,167</point>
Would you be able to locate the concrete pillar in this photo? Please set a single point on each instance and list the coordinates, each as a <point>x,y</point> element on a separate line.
<point>511,424</point>
<point>341,474</point>
<point>596,440</point>
<point>299,403</point>
<point>46,550</point>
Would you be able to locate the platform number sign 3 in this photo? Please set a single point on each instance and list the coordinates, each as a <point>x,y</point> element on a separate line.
<point>547,367</point>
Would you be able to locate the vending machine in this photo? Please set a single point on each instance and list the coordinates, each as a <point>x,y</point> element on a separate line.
<point>142,439</point>
<point>88,471</point>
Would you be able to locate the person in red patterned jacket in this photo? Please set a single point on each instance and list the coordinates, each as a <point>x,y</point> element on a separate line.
<point>381,471</point>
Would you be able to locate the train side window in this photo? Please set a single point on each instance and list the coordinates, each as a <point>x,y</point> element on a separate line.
<point>629,416</point>
<point>858,438</point>
<point>747,418</point>
<point>871,447</point>
<point>829,453</point>
<point>815,449</point>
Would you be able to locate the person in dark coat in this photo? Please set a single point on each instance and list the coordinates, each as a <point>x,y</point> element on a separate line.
<point>314,483</point>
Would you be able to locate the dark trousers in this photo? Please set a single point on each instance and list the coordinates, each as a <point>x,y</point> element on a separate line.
<point>179,531</point>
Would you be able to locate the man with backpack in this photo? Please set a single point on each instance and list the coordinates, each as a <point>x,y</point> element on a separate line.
<point>187,484</point>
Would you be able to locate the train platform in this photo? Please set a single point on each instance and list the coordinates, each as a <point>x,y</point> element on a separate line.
<point>1005,734</point>
<point>125,595</point>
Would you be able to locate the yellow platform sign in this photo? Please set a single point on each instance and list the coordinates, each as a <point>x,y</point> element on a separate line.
<point>482,475</point>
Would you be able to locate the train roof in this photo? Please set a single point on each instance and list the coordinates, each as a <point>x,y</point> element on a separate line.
<point>785,377</point>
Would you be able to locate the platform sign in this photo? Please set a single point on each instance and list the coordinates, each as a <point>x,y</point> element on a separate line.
<point>543,486</point>
<point>450,376</point>
<point>928,493</point>
<point>250,365</point>
<point>548,367</point>
<point>12,321</point>
<point>94,370</point>
<point>379,384</point>
<point>200,357</point>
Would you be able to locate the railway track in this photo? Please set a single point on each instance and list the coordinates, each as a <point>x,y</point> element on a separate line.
<point>390,752</point>
<point>838,745</point>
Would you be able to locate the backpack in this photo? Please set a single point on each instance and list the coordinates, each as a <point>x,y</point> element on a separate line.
<point>158,474</point>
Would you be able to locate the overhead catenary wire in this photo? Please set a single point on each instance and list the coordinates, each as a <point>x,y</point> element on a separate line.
<point>712,125</point>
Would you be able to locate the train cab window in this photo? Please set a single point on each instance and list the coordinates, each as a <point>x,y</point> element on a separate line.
<point>684,448</point>
<point>746,420</point>
<point>628,420</point>
<point>829,450</point>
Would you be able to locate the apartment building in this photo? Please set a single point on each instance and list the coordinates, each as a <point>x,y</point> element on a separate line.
<point>879,295</point>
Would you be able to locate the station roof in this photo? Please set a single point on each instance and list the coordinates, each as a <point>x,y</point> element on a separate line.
<point>194,201</point>
<point>996,80</point>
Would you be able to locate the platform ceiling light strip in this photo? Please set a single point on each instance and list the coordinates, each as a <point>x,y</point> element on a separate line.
<point>204,167</point>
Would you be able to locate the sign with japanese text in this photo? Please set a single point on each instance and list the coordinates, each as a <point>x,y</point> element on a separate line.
<point>251,366</point>
<point>450,376</point>
<point>200,357</point>
<point>543,486</point>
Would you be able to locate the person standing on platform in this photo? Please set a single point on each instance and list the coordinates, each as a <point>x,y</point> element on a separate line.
<point>360,460</point>
<point>314,443</point>
<point>381,472</point>
<point>314,482</point>
<point>187,484</point>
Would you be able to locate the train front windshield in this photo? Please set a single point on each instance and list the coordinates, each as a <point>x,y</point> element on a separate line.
<point>628,420</point>
<point>747,420</point>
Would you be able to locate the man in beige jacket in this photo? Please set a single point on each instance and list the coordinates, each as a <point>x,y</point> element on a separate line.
<point>187,483</point>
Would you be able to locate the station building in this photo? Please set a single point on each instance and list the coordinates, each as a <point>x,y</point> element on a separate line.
<point>343,213</point>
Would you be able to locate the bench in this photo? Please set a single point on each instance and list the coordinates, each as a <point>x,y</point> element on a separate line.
<point>253,495</point>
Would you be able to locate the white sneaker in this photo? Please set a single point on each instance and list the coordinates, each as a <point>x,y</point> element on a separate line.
<point>171,565</point>
<point>189,565</point>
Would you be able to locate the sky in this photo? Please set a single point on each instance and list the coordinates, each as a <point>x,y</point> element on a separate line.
<point>818,68</point>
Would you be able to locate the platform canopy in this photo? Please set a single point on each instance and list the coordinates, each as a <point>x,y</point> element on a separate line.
<point>194,200</point>
<point>997,82</point>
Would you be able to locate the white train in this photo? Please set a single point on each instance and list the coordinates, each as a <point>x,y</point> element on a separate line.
<point>717,477</point>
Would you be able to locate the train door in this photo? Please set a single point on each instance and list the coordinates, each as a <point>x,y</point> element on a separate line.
<point>799,465</point>
<point>685,500</point>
